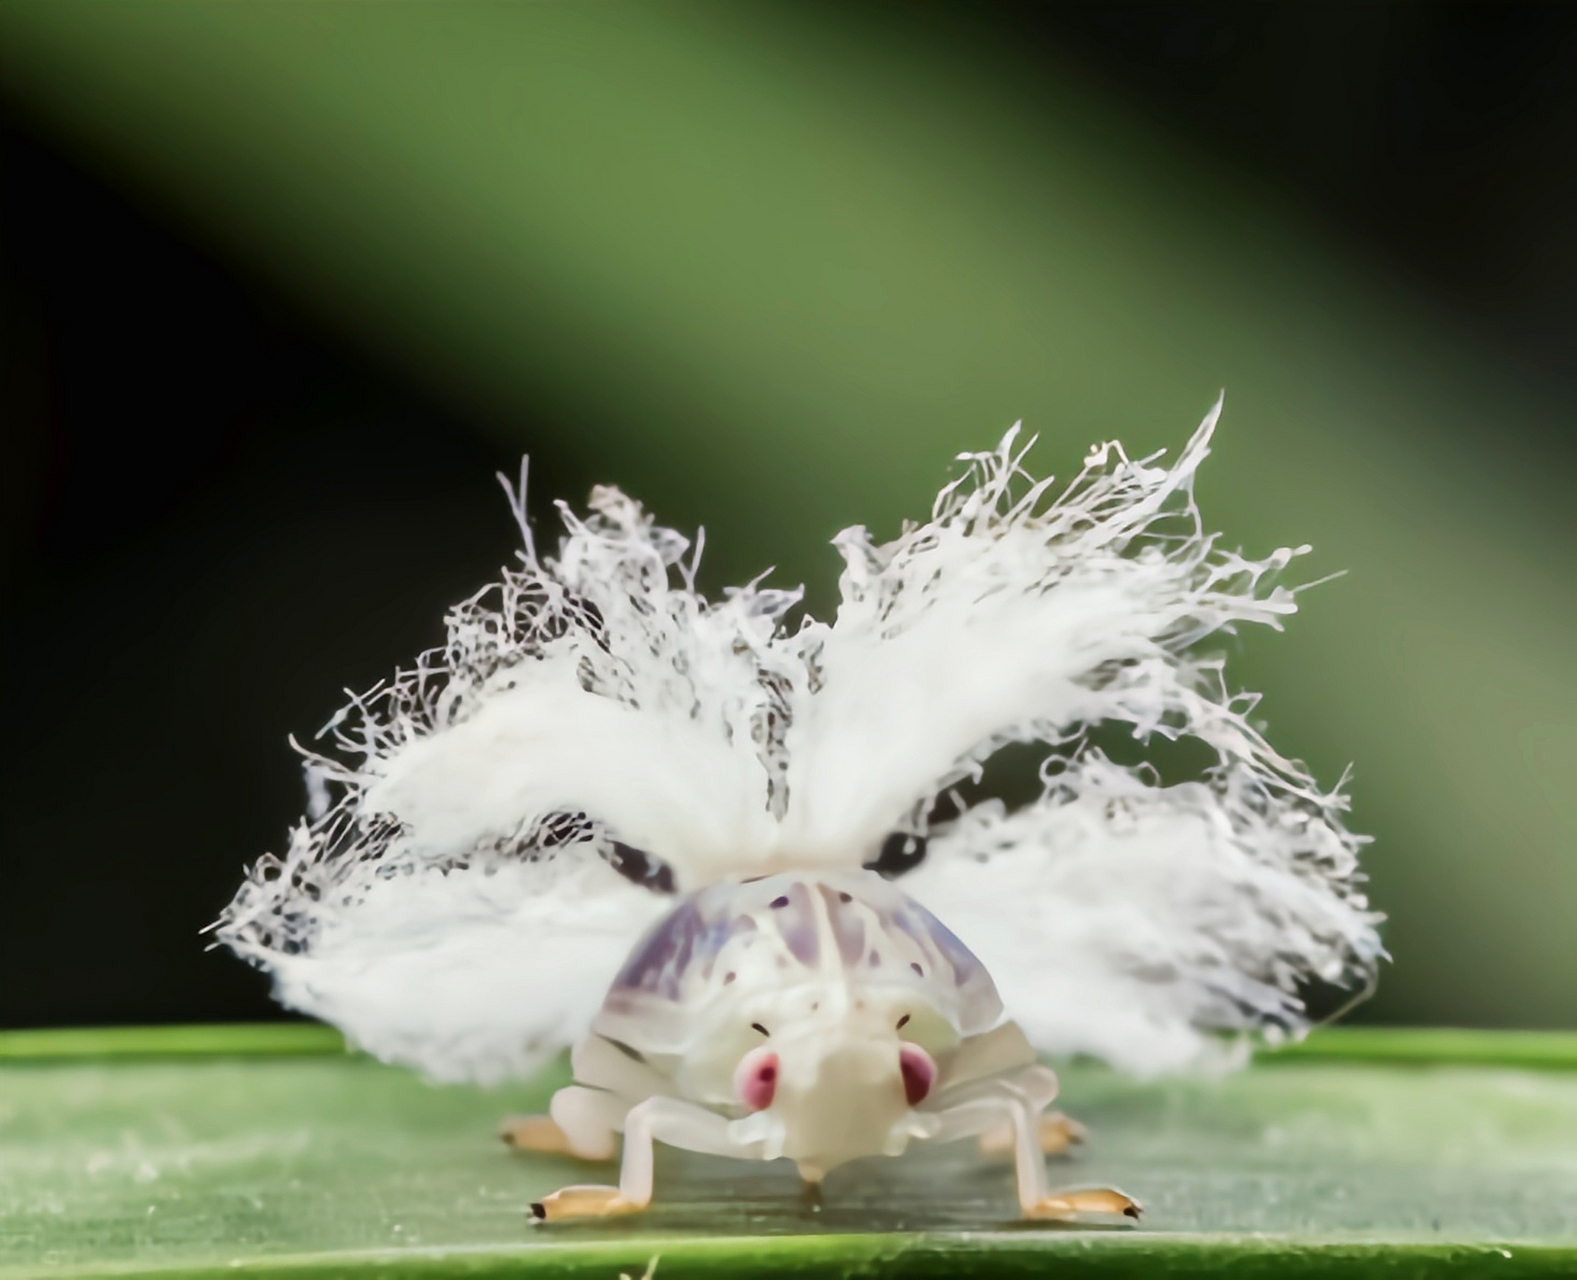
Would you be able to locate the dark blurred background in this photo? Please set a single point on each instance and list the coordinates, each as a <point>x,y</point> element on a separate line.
<point>283,286</point>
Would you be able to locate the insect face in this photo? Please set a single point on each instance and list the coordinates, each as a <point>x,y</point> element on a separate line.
<point>838,1077</point>
<point>811,1010</point>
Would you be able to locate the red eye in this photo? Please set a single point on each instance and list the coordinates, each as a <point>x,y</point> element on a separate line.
<point>919,1072</point>
<point>756,1079</point>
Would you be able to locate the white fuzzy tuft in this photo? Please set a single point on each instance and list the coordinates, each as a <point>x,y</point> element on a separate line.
<point>478,972</point>
<point>1007,618</point>
<point>1127,920</point>
<point>453,901</point>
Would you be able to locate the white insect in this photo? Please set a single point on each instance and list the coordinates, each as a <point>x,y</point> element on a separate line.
<point>614,815</point>
<point>818,1017</point>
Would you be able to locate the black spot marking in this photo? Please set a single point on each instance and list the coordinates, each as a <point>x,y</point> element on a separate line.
<point>756,1026</point>
<point>779,903</point>
<point>903,1022</point>
<point>845,897</point>
<point>918,969</point>
<point>538,1212</point>
<point>901,852</point>
<point>559,829</point>
<point>642,868</point>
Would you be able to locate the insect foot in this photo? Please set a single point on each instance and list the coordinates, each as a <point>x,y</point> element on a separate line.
<point>583,1202</point>
<point>1071,1206</point>
<point>534,1133</point>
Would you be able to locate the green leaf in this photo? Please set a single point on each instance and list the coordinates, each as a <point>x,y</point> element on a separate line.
<point>199,1151</point>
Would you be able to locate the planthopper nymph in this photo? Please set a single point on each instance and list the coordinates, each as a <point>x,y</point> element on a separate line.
<point>818,1018</point>
<point>731,860</point>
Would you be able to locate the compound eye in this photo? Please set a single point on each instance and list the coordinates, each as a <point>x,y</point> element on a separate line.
<point>919,1072</point>
<point>756,1079</point>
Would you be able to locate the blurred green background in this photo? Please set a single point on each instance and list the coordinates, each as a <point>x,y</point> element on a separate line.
<point>769,267</point>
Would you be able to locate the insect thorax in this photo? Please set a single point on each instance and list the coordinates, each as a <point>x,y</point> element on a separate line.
<point>737,959</point>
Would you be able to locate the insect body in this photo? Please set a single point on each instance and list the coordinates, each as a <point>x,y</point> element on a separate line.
<point>818,1018</point>
<point>488,868</point>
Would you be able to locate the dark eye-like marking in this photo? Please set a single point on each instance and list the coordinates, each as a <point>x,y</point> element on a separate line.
<point>779,903</point>
<point>903,1022</point>
<point>900,852</point>
<point>918,1072</point>
<point>756,1079</point>
<point>756,1026</point>
<point>642,868</point>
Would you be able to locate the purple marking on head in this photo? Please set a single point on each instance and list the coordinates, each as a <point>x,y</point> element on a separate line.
<point>935,937</point>
<point>965,964</point>
<point>690,935</point>
<point>653,963</point>
<point>848,926</point>
<point>797,923</point>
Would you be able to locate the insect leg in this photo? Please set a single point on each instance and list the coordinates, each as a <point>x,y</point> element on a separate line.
<point>1036,1086</point>
<point>584,1121</point>
<point>988,1111</point>
<point>581,1123</point>
<point>535,1133</point>
<point>1014,1102</point>
<point>679,1124</point>
<point>1057,1133</point>
<point>670,1120</point>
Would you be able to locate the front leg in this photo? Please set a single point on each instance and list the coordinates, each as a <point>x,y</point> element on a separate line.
<point>994,1105</point>
<point>679,1124</point>
<point>585,1122</point>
